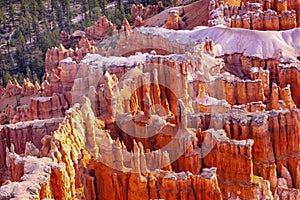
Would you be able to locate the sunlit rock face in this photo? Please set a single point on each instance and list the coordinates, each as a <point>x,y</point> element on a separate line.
<point>256,15</point>
<point>145,12</point>
<point>152,113</point>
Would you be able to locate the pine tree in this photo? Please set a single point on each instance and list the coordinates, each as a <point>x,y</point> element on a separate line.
<point>24,7</point>
<point>45,23</point>
<point>102,4</point>
<point>54,5</point>
<point>60,16</point>
<point>120,6</point>
<point>53,21</point>
<point>20,58</point>
<point>11,12</point>
<point>95,10</point>
<point>67,13</point>
<point>6,77</point>
<point>41,8</point>
<point>33,8</point>
<point>2,18</point>
<point>20,39</point>
<point>1,58</point>
<point>96,13</point>
<point>28,73</point>
<point>84,7</point>
<point>36,26</point>
<point>11,60</point>
<point>37,62</point>
<point>119,14</point>
<point>27,25</point>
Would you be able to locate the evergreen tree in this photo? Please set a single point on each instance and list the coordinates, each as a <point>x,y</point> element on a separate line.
<point>102,4</point>
<point>37,62</point>
<point>120,7</point>
<point>60,16</point>
<point>45,23</point>
<point>11,12</point>
<point>24,7</point>
<point>41,8</point>
<point>1,59</point>
<point>36,26</point>
<point>86,13</point>
<point>4,72</point>
<point>53,21</point>
<point>8,45</point>
<point>119,14</point>
<point>20,58</point>
<point>27,25</point>
<point>20,39</point>
<point>6,77</point>
<point>28,73</point>
<point>67,13</point>
<point>11,60</point>
<point>96,13</point>
<point>84,6</point>
<point>95,10</point>
<point>54,5</point>
<point>2,18</point>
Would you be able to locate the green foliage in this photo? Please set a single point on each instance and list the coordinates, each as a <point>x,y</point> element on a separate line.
<point>102,4</point>
<point>49,39</point>
<point>94,9</point>
<point>6,77</point>
<point>2,18</point>
<point>29,27</point>
<point>53,21</point>
<point>96,13</point>
<point>129,19</point>
<point>36,26</point>
<point>33,8</point>
<point>20,40</point>
<point>111,31</point>
<point>41,8</point>
<point>120,8</point>
<point>37,63</point>
<point>84,6</point>
<point>11,12</point>
<point>20,59</point>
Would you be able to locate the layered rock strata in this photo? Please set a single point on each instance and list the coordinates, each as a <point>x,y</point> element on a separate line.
<point>254,15</point>
<point>152,125</point>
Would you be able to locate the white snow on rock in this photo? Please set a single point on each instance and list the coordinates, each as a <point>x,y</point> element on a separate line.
<point>261,44</point>
<point>98,60</point>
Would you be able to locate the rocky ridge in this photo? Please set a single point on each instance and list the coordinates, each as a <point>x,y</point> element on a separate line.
<point>162,117</point>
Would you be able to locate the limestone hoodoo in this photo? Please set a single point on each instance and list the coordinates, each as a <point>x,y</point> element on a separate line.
<point>161,112</point>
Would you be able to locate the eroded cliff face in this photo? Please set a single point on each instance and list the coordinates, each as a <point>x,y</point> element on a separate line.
<point>100,29</point>
<point>83,157</point>
<point>174,21</point>
<point>256,15</point>
<point>179,118</point>
<point>17,136</point>
<point>139,12</point>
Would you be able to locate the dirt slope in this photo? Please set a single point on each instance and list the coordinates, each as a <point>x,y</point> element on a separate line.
<point>196,14</point>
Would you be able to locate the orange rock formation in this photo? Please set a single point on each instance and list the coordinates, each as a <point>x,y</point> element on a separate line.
<point>254,15</point>
<point>174,21</point>
<point>188,118</point>
<point>146,12</point>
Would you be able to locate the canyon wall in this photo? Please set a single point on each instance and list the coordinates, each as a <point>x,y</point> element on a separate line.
<point>91,157</point>
<point>186,120</point>
<point>254,15</point>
